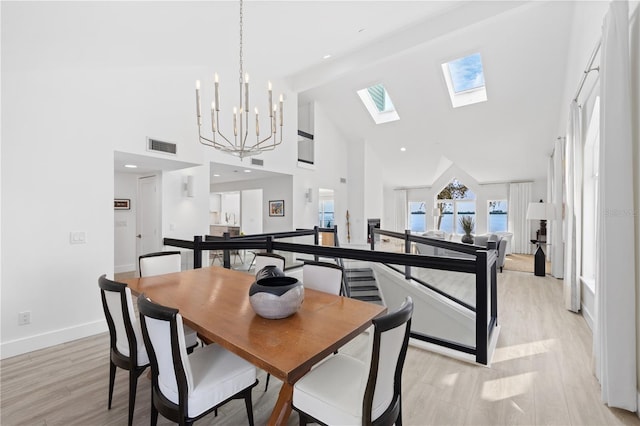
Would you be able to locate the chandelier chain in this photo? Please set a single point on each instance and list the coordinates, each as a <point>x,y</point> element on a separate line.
<point>241,16</point>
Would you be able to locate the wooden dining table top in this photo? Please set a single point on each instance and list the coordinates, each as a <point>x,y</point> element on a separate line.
<point>214,301</point>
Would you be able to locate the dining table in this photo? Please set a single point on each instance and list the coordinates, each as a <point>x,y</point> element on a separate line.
<point>214,301</point>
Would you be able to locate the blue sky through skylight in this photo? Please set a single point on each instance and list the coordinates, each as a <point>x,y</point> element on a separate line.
<point>466,73</point>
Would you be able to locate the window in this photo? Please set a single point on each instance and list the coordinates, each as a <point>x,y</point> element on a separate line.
<point>465,80</point>
<point>454,201</point>
<point>497,217</point>
<point>326,214</point>
<point>417,215</point>
<point>378,102</point>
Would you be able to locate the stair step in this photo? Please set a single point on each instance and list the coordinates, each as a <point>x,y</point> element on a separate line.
<point>367,298</point>
<point>364,288</point>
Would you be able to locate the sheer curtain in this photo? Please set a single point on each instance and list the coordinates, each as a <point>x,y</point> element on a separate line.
<point>556,248</point>
<point>573,208</point>
<point>519,198</point>
<point>614,333</point>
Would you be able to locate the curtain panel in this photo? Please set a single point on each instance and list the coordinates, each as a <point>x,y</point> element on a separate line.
<point>573,208</point>
<point>519,198</point>
<point>615,327</point>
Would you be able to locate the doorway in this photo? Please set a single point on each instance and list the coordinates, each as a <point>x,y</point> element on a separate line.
<point>326,215</point>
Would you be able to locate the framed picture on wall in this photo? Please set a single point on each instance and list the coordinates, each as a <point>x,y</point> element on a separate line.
<point>276,208</point>
<point>121,204</point>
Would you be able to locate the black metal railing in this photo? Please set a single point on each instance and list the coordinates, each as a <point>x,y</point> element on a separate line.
<point>482,264</point>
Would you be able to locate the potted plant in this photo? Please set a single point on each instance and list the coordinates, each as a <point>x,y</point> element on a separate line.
<point>467,224</point>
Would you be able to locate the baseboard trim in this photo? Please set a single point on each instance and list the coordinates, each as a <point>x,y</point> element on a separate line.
<point>45,340</point>
<point>586,314</point>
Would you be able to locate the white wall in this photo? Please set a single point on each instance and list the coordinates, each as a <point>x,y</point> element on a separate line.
<point>331,159</point>
<point>124,238</point>
<point>67,104</point>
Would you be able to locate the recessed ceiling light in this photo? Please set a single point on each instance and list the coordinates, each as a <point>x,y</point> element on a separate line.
<point>216,175</point>
<point>403,149</point>
<point>131,166</point>
<point>327,56</point>
<point>247,171</point>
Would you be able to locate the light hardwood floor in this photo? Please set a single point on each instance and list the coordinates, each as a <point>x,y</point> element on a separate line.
<point>540,375</point>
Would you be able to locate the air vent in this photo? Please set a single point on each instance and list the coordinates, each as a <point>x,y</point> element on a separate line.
<point>257,162</point>
<point>160,146</point>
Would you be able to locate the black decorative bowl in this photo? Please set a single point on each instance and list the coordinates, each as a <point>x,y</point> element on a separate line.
<point>276,297</point>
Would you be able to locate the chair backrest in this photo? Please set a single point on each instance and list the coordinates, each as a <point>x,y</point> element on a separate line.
<point>118,311</point>
<point>158,263</point>
<point>481,240</point>
<point>390,340</point>
<point>163,333</point>
<point>502,251</point>
<point>265,259</point>
<point>322,276</point>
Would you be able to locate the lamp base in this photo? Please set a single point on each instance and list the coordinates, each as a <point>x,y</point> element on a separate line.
<point>539,265</point>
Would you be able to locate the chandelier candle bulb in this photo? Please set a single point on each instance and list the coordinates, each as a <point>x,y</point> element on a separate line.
<point>217,99</point>
<point>213,117</point>
<point>198,102</point>
<point>235,121</point>
<point>257,123</point>
<point>246,92</point>
<point>281,110</point>
<point>270,99</point>
<point>273,119</point>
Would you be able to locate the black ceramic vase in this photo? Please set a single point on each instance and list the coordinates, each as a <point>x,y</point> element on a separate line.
<point>467,238</point>
<point>275,296</point>
<point>269,271</point>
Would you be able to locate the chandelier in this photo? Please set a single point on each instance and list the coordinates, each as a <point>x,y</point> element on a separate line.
<point>240,145</point>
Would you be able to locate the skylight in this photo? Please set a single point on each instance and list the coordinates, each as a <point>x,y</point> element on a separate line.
<point>378,102</point>
<point>465,80</point>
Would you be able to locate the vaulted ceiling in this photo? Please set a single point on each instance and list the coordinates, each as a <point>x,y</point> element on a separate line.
<point>507,138</point>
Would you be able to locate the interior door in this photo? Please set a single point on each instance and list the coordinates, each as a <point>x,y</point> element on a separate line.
<point>148,216</point>
<point>251,211</point>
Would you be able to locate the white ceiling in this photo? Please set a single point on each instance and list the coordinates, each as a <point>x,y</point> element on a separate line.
<point>398,43</point>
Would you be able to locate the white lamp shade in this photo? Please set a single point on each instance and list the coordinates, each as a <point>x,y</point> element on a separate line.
<point>541,211</point>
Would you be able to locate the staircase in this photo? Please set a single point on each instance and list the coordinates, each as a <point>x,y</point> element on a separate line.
<point>362,285</point>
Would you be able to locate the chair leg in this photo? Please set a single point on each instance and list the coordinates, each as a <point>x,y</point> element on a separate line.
<point>249,405</point>
<point>302,419</point>
<point>266,385</point>
<point>154,414</point>
<point>133,382</point>
<point>112,379</point>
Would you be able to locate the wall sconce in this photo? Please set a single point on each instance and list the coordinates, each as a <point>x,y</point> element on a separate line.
<point>188,187</point>
<point>308,195</point>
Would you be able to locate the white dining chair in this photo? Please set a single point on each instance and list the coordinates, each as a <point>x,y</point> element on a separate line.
<point>185,388</point>
<point>127,349</point>
<point>322,276</point>
<point>265,259</point>
<point>343,390</point>
<point>166,262</point>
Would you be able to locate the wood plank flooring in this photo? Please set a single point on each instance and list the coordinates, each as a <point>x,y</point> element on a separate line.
<point>541,374</point>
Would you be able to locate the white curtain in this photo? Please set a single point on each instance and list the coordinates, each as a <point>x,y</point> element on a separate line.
<point>573,209</point>
<point>615,328</point>
<point>555,226</point>
<point>519,198</point>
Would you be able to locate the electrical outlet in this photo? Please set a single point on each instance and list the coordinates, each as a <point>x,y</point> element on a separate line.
<point>24,318</point>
